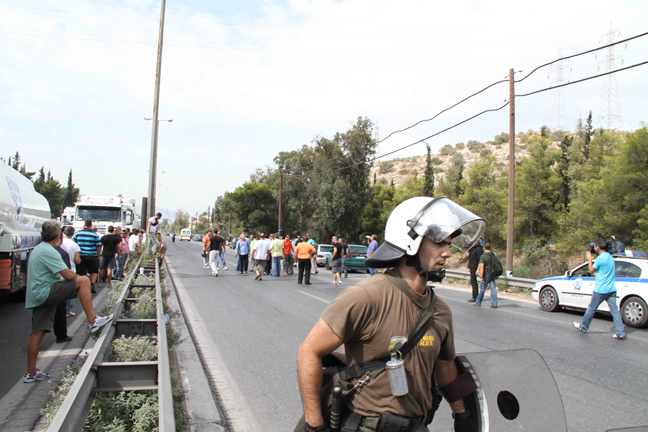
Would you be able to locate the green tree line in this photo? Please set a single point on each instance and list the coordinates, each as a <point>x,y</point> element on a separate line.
<point>569,186</point>
<point>57,196</point>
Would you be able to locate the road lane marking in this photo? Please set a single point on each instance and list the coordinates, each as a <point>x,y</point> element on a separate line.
<point>315,297</point>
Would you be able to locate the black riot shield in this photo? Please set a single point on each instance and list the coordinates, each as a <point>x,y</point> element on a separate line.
<point>515,392</point>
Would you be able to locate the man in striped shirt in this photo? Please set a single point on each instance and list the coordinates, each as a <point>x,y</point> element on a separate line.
<point>90,245</point>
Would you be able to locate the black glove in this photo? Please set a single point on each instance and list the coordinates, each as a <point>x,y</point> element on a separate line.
<point>462,422</point>
<point>322,428</point>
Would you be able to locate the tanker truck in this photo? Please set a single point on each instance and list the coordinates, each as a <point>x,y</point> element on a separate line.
<point>105,211</point>
<point>22,213</point>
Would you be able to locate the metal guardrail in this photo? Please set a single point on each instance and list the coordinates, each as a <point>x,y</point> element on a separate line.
<point>509,281</point>
<point>99,376</point>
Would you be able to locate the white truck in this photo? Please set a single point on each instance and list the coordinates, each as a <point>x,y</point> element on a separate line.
<point>68,216</point>
<point>105,211</point>
<point>22,213</point>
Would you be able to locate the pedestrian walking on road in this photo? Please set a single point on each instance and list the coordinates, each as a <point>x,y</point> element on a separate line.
<point>474,254</point>
<point>206,238</point>
<point>45,289</point>
<point>110,247</point>
<point>222,251</point>
<point>215,245</point>
<point>90,249</point>
<point>603,269</point>
<point>313,243</point>
<point>336,261</point>
<point>277,252</point>
<point>345,252</point>
<point>242,251</point>
<point>303,254</point>
<point>288,250</point>
<point>486,278</point>
<point>260,255</point>
<point>373,245</point>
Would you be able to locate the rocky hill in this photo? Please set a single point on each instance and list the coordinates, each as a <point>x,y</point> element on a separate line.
<point>401,169</point>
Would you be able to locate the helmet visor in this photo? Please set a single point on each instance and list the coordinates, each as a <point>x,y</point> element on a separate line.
<point>442,218</point>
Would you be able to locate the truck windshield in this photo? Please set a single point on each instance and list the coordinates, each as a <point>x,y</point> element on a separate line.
<point>97,213</point>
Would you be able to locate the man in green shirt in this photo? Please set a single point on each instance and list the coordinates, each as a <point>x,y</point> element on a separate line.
<point>49,281</point>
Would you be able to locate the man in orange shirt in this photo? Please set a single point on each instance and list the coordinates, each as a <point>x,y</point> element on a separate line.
<point>303,254</point>
<point>206,248</point>
<point>288,250</point>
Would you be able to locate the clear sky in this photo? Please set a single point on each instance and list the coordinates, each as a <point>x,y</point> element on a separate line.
<point>243,80</point>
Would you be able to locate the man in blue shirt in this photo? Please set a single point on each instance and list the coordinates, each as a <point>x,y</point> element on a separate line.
<point>604,290</point>
<point>242,251</point>
<point>373,245</point>
<point>90,245</point>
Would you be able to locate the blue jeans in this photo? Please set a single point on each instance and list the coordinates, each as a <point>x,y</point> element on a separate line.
<point>276,265</point>
<point>371,271</point>
<point>493,297</point>
<point>597,299</point>
<point>151,242</point>
<point>222,257</point>
<point>120,265</point>
<point>69,304</point>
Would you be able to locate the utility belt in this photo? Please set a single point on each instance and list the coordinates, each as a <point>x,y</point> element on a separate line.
<point>384,423</point>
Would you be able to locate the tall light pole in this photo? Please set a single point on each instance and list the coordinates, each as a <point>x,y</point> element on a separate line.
<point>156,104</point>
<point>153,174</point>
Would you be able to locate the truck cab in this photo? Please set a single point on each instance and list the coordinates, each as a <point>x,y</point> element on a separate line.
<point>105,211</point>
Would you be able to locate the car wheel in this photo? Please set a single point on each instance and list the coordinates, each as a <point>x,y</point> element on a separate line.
<point>548,299</point>
<point>634,312</point>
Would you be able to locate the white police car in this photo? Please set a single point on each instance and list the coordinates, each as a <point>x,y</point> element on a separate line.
<point>574,290</point>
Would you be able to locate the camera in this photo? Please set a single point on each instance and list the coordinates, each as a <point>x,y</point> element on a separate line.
<point>614,246</point>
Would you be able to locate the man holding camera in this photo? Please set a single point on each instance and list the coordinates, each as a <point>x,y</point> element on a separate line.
<point>604,289</point>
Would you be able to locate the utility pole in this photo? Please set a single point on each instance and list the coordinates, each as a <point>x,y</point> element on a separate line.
<point>511,182</point>
<point>156,105</point>
<point>280,182</point>
<point>610,106</point>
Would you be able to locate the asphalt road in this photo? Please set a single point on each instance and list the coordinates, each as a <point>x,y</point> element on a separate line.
<point>249,334</point>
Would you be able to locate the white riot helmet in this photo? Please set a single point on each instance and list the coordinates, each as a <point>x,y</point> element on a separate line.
<point>435,218</point>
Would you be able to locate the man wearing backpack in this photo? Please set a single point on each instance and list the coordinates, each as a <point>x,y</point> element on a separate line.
<point>489,267</point>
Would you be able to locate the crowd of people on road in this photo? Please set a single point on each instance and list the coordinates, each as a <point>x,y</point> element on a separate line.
<point>277,255</point>
<point>67,265</point>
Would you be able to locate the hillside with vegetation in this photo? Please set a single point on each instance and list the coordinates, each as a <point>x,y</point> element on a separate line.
<point>569,186</point>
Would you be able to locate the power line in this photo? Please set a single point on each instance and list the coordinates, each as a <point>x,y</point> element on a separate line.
<point>580,54</point>
<point>404,147</point>
<point>420,121</point>
<point>583,79</point>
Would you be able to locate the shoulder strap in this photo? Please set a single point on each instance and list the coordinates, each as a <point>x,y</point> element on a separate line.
<point>426,320</point>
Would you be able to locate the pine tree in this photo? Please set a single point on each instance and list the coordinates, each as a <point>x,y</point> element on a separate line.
<point>71,193</point>
<point>428,186</point>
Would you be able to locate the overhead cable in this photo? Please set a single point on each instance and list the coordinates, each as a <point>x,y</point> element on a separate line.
<point>580,54</point>
<point>421,121</point>
<point>402,148</point>
<point>583,79</point>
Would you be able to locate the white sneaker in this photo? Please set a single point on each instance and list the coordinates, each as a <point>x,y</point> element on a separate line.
<point>38,376</point>
<point>70,314</point>
<point>100,322</point>
<point>334,282</point>
<point>340,283</point>
<point>224,268</point>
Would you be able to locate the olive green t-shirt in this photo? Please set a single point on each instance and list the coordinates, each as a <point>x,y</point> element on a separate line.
<point>372,318</point>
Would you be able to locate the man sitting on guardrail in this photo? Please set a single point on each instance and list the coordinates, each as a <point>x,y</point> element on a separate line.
<point>49,281</point>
